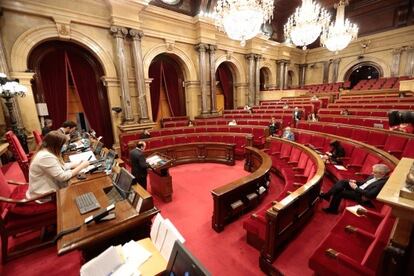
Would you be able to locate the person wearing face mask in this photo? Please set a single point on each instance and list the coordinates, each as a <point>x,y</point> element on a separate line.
<point>48,172</point>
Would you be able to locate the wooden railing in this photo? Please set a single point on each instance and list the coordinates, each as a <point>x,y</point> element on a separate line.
<point>241,191</point>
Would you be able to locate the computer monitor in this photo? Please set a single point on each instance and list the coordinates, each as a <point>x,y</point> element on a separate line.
<point>124,182</point>
<point>182,262</point>
<point>98,148</point>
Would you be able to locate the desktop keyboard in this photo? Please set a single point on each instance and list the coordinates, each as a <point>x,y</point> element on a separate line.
<point>114,195</point>
<point>87,202</point>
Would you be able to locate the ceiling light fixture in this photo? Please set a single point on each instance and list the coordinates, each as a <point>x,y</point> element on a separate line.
<point>340,33</point>
<point>306,24</point>
<point>242,19</point>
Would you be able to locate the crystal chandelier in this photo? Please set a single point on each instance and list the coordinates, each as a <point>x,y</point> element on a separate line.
<point>340,33</point>
<point>306,24</point>
<point>242,19</point>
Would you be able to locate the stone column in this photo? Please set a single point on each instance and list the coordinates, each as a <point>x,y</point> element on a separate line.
<point>201,48</point>
<point>119,34</point>
<point>302,74</point>
<point>212,55</point>
<point>326,65</point>
<point>251,75</point>
<point>409,67</point>
<point>257,94</point>
<point>335,70</point>
<point>286,76</point>
<point>139,74</point>
<point>281,71</point>
<point>395,63</point>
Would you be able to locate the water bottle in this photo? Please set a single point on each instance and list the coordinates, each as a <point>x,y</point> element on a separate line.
<point>108,165</point>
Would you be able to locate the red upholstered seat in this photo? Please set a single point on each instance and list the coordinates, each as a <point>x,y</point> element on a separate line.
<point>360,135</point>
<point>409,149</point>
<point>18,153</point>
<point>377,139</point>
<point>38,137</point>
<point>395,145</point>
<point>20,215</point>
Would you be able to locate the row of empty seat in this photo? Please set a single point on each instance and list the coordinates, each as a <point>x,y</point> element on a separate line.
<point>382,83</point>
<point>328,87</point>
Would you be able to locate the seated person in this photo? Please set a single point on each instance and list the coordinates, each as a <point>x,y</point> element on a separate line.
<point>247,108</point>
<point>297,114</point>
<point>312,117</point>
<point>335,154</point>
<point>344,112</point>
<point>314,98</point>
<point>285,106</point>
<point>48,172</point>
<point>145,134</point>
<point>359,191</point>
<point>190,123</point>
<point>403,127</point>
<point>273,127</point>
<point>48,127</point>
<point>233,123</point>
<point>288,134</point>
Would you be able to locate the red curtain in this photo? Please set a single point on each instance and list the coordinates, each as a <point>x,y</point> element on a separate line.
<point>225,78</point>
<point>54,78</point>
<point>91,93</point>
<point>172,88</point>
<point>155,74</point>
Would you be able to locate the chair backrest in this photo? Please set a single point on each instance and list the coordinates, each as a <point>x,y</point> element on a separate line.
<point>38,137</point>
<point>18,153</point>
<point>5,190</point>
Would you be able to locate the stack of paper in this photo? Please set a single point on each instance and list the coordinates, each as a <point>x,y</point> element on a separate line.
<point>83,156</point>
<point>104,264</point>
<point>340,167</point>
<point>163,235</point>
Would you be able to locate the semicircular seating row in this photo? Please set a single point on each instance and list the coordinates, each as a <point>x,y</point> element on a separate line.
<point>259,134</point>
<point>396,143</point>
<point>241,140</point>
<point>302,170</point>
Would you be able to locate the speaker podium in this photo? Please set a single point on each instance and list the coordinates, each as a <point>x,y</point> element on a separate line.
<point>160,178</point>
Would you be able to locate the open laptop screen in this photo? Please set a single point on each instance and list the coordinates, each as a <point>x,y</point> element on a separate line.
<point>124,182</point>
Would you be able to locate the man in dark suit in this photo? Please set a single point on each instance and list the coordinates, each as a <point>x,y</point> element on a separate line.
<point>360,191</point>
<point>297,114</point>
<point>139,164</point>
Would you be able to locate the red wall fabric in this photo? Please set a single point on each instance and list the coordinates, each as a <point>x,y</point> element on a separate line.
<point>166,73</point>
<point>89,88</point>
<point>225,78</point>
<point>53,75</point>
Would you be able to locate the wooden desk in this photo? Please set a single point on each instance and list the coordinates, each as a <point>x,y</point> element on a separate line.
<point>156,264</point>
<point>88,236</point>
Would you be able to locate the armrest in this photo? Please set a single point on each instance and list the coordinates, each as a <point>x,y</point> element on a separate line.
<point>292,162</point>
<point>362,174</point>
<point>16,182</point>
<point>354,166</point>
<point>297,184</point>
<point>369,213</point>
<point>354,230</point>
<point>25,200</point>
<point>348,262</point>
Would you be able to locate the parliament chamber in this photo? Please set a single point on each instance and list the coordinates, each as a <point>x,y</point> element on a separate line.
<point>239,104</point>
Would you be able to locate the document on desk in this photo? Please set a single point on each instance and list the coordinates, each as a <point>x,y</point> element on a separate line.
<point>83,156</point>
<point>340,167</point>
<point>104,264</point>
<point>155,228</point>
<point>171,236</point>
<point>135,254</point>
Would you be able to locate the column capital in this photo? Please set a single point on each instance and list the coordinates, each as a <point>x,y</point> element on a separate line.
<point>303,65</point>
<point>118,32</point>
<point>136,34</point>
<point>212,48</point>
<point>282,61</point>
<point>258,57</point>
<point>250,56</point>
<point>202,47</point>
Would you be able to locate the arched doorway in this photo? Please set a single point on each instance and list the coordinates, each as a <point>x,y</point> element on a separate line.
<point>167,92</point>
<point>363,71</point>
<point>224,89</point>
<point>264,78</point>
<point>68,79</point>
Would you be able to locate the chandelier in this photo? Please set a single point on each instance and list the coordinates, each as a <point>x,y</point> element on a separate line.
<point>340,33</point>
<point>242,19</point>
<point>306,24</point>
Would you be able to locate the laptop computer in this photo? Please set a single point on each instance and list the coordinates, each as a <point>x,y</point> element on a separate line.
<point>121,186</point>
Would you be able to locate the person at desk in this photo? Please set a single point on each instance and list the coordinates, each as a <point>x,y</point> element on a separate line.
<point>359,191</point>
<point>67,128</point>
<point>48,172</point>
<point>336,153</point>
<point>139,164</point>
<point>288,134</point>
<point>47,128</point>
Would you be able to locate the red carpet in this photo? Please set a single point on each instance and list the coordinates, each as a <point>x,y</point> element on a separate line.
<point>225,253</point>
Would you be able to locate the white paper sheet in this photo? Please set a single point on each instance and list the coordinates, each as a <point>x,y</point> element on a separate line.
<point>83,156</point>
<point>104,264</point>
